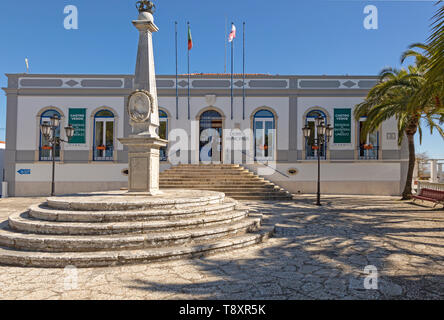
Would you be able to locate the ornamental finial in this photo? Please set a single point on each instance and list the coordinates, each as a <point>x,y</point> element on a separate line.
<point>145,6</point>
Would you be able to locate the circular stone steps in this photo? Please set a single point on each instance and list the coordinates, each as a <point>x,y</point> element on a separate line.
<point>22,223</point>
<point>112,258</point>
<point>114,228</point>
<point>49,243</point>
<point>43,212</point>
<point>111,201</point>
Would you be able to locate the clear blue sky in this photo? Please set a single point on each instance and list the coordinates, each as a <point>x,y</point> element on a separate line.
<point>283,37</point>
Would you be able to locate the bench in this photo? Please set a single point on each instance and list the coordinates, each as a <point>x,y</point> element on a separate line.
<point>435,196</point>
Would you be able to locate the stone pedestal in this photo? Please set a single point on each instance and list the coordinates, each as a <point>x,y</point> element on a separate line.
<point>143,161</point>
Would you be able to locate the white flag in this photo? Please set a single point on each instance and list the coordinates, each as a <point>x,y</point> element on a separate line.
<point>232,35</point>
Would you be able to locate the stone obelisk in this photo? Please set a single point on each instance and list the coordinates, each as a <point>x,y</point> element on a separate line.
<point>144,142</point>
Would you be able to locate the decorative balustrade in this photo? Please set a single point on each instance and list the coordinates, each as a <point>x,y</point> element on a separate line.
<point>103,153</point>
<point>45,153</point>
<point>430,185</point>
<point>368,152</point>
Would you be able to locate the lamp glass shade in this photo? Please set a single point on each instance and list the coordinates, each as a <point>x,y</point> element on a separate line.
<point>329,131</point>
<point>306,130</point>
<point>69,131</point>
<point>318,121</point>
<point>321,129</point>
<point>55,121</point>
<point>45,128</point>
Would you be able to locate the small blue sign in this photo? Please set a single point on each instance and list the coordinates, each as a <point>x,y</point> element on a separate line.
<point>24,171</point>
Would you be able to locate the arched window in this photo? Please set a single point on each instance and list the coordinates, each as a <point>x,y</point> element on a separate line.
<point>163,133</point>
<point>45,148</point>
<point>103,149</point>
<point>264,135</point>
<point>310,141</point>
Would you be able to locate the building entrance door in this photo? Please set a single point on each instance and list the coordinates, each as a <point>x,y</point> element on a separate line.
<point>210,132</point>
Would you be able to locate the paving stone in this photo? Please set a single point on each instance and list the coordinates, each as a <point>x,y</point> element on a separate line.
<point>308,269</point>
<point>390,289</point>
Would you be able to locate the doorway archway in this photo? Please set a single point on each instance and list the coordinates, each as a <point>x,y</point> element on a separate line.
<point>210,136</point>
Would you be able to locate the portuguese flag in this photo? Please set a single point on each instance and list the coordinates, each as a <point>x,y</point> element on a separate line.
<point>190,39</point>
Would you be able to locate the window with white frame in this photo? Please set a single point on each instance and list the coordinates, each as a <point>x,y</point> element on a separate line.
<point>103,148</point>
<point>368,145</point>
<point>264,135</point>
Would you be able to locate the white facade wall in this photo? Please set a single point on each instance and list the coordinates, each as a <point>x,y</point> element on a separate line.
<point>278,105</point>
<point>286,97</point>
<point>366,177</point>
<point>28,133</point>
<point>326,104</point>
<point>72,172</point>
<point>389,126</point>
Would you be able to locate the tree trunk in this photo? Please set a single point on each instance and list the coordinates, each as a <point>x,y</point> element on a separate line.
<point>407,193</point>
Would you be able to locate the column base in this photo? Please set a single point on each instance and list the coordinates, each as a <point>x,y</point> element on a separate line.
<point>143,161</point>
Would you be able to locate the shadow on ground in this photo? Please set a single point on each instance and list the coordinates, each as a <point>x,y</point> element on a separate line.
<point>321,253</point>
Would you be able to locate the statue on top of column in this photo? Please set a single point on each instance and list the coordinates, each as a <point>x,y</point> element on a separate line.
<point>145,6</point>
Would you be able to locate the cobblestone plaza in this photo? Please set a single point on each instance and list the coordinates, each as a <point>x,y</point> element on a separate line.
<point>316,253</point>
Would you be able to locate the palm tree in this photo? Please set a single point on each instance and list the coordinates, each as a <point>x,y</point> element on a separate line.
<point>433,86</point>
<point>392,97</point>
<point>436,52</point>
<point>430,59</point>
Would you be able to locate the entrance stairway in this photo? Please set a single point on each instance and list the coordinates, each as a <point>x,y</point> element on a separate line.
<point>235,181</point>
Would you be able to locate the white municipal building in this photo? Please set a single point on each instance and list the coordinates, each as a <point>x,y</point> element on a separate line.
<point>96,106</point>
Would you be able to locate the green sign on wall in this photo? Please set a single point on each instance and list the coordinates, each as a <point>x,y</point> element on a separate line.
<point>342,126</point>
<point>77,118</point>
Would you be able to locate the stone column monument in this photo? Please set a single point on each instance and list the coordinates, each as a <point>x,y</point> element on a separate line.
<point>144,142</point>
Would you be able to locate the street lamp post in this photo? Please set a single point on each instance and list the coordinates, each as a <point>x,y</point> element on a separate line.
<point>323,133</point>
<point>48,130</point>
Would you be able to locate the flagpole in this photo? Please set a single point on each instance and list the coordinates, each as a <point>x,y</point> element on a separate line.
<point>189,79</point>
<point>232,74</point>
<point>243,77</point>
<point>177,80</point>
<point>225,41</point>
